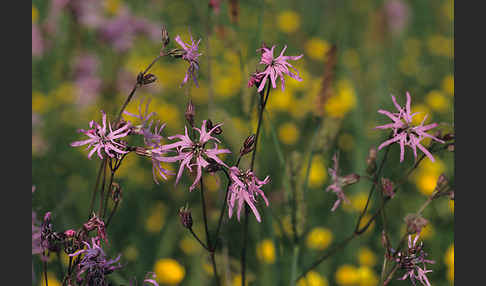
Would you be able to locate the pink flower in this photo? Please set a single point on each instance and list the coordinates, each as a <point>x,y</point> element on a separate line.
<point>404,132</point>
<point>277,67</point>
<point>102,138</point>
<point>339,182</point>
<point>190,55</point>
<point>245,186</point>
<point>194,153</point>
<point>411,261</point>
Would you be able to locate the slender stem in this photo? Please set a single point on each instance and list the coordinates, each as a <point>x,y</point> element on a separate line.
<point>390,276</point>
<point>199,240</point>
<point>103,162</point>
<point>221,214</point>
<point>203,201</point>
<point>112,175</point>
<point>102,191</point>
<point>263,102</point>
<point>112,213</point>
<point>45,269</point>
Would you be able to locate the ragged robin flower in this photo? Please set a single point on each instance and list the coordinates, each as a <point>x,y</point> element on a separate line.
<point>244,188</point>
<point>190,55</point>
<point>404,132</point>
<point>195,153</point>
<point>413,262</point>
<point>274,68</point>
<point>103,138</point>
<point>339,182</point>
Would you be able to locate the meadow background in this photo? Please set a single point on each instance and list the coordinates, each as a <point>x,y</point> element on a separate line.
<point>85,58</point>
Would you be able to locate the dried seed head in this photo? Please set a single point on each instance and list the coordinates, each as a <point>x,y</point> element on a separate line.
<point>371,161</point>
<point>190,113</point>
<point>186,217</point>
<point>116,192</point>
<point>145,79</point>
<point>415,223</point>
<point>387,187</point>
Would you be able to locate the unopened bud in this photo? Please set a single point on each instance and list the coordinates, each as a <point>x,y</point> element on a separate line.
<point>213,166</point>
<point>248,145</point>
<point>47,217</point>
<point>70,233</point>
<point>387,187</point>
<point>165,36</point>
<point>442,188</point>
<point>415,223</point>
<point>186,217</point>
<point>371,161</point>
<point>116,192</point>
<point>146,79</point>
<point>450,147</point>
<point>385,241</point>
<point>190,113</point>
<point>349,180</point>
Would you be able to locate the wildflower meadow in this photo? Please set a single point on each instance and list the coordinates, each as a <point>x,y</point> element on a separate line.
<point>226,142</point>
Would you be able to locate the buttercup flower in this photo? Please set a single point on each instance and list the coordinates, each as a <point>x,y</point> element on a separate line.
<point>194,153</point>
<point>244,188</point>
<point>101,139</point>
<point>190,55</point>
<point>412,259</point>
<point>339,182</point>
<point>404,132</point>
<point>276,67</point>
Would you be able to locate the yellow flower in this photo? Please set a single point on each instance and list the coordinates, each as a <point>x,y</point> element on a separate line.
<point>35,14</point>
<point>281,100</point>
<point>317,173</point>
<point>112,6</point>
<point>237,280</point>
<point>427,175</point>
<point>226,85</point>
<point>313,279</point>
<point>40,102</point>
<point>448,84</point>
<point>169,271</point>
<point>351,58</point>
<point>288,21</point>
<point>426,183</point>
<point>317,49</point>
<point>200,95</point>
<point>211,182</point>
<point>366,257</point>
<point>130,253</point>
<point>451,205</point>
<point>288,133</point>
<point>51,280</point>
<point>421,110</point>
<point>346,142</point>
<point>347,275</point>
<point>319,238</point>
<point>440,45</point>
<point>366,218</point>
<point>449,256</point>
<point>450,274</point>
<point>208,267</point>
<point>358,201</point>
<point>343,102</point>
<point>266,251</point>
<point>367,277</point>
<point>448,9</point>
<point>156,219</point>
<point>413,47</point>
<point>437,101</point>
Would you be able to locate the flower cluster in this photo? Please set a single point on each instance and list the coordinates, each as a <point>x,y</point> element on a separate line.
<point>413,262</point>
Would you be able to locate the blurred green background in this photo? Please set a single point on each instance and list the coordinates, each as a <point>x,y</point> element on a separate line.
<point>85,58</point>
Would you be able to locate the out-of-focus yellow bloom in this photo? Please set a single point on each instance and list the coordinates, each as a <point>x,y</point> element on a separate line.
<point>211,182</point>
<point>351,58</point>
<point>317,173</point>
<point>317,48</point>
<point>281,100</point>
<point>130,253</point>
<point>169,271</point>
<point>343,102</point>
<point>313,279</point>
<point>35,14</point>
<point>366,257</point>
<point>427,232</point>
<point>347,275</point>
<point>208,268</point>
<point>451,205</point>
<point>366,218</point>
<point>448,84</point>
<point>64,94</point>
<point>266,251</point>
<point>426,183</point>
<point>367,277</point>
<point>189,245</point>
<point>156,218</point>
<point>40,102</point>
<point>226,86</point>
<point>346,142</point>
<point>112,6</point>
<point>449,256</point>
<point>358,201</point>
<point>51,280</point>
<point>319,238</point>
<point>421,110</point>
<point>448,9</point>
<point>437,101</point>
<point>450,274</point>
<point>440,46</point>
<point>288,21</point>
<point>240,125</point>
<point>427,174</point>
<point>412,47</point>
<point>169,112</point>
<point>288,133</point>
<point>237,280</point>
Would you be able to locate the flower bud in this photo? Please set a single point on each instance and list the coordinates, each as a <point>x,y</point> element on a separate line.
<point>213,166</point>
<point>165,36</point>
<point>387,187</point>
<point>450,147</point>
<point>371,161</point>
<point>190,113</point>
<point>442,188</point>
<point>349,180</point>
<point>415,223</point>
<point>248,146</point>
<point>145,79</point>
<point>186,217</point>
<point>116,192</point>
<point>70,233</point>
<point>209,126</point>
